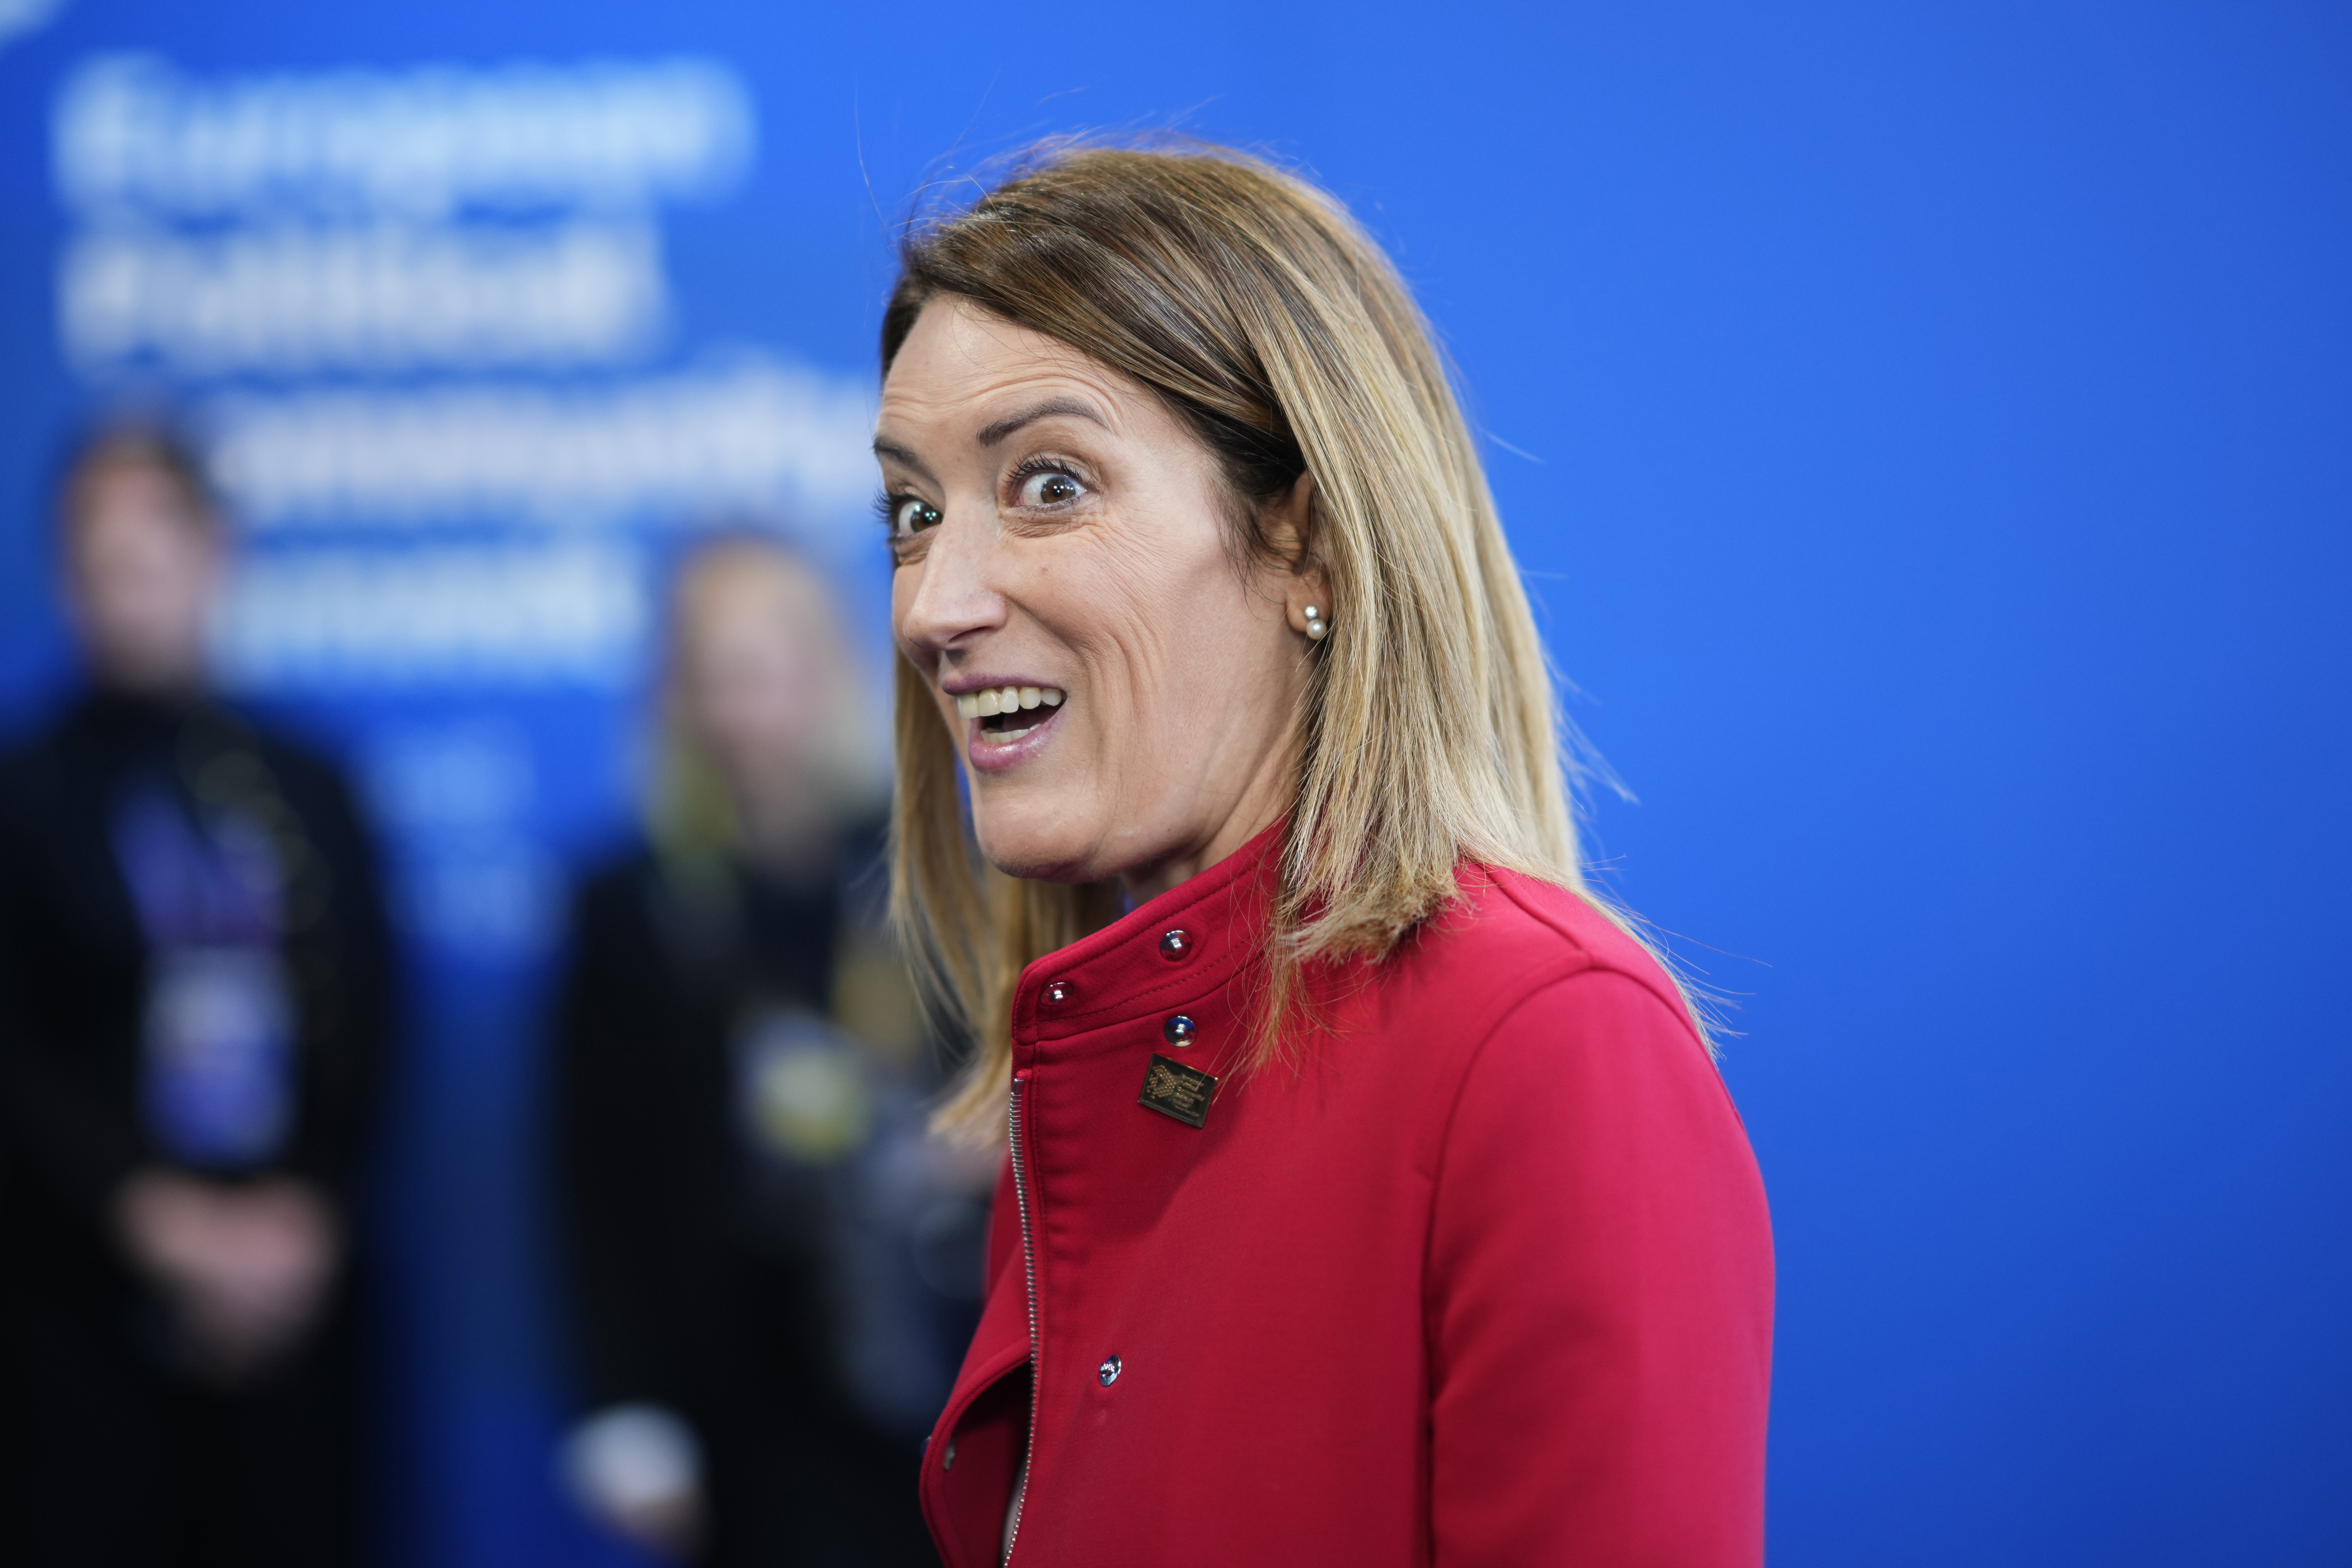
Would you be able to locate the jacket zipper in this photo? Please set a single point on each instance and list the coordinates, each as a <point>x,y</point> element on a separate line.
<point>1029,1269</point>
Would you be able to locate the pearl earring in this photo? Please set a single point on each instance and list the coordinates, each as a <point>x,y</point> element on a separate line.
<point>1316,627</point>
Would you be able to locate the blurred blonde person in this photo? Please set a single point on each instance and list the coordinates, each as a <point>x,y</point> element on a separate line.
<point>736,1046</point>
<point>770,742</point>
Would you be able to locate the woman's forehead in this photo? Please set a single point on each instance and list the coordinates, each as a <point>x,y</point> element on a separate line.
<point>962,373</point>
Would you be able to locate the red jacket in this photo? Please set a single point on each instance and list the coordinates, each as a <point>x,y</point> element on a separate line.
<point>1487,1281</point>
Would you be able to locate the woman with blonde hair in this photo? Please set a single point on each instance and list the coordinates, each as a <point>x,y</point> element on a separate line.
<point>1370,1196</point>
<point>728,1081</point>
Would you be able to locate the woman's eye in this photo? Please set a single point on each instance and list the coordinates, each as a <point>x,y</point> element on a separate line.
<point>911,515</point>
<point>1049,490</point>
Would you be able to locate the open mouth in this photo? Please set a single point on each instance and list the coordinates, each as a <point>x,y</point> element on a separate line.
<point>1017,710</point>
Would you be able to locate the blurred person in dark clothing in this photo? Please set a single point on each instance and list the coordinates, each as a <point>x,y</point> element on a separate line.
<point>192,993</point>
<point>774,1263</point>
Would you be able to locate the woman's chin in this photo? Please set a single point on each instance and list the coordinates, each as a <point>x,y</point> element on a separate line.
<point>1035,844</point>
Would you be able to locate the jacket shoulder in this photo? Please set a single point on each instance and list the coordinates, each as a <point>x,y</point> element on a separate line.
<point>27,772</point>
<point>613,927</point>
<point>43,782</point>
<point>1515,935</point>
<point>304,768</point>
<point>1523,976</point>
<point>31,758</point>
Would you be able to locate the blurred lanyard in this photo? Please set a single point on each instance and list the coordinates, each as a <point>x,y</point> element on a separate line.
<point>219,1024</point>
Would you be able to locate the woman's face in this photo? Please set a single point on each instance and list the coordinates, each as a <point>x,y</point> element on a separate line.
<point>144,568</point>
<point>1059,535</point>
<point>752,670</point>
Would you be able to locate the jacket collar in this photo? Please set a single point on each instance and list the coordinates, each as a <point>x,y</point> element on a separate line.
<point>1131,969</point>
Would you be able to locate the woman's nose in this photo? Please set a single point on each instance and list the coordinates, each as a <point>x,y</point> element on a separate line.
<point>953,599</point>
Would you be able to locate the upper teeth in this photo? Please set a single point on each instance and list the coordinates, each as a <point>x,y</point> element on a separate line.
<point>1006,699</point>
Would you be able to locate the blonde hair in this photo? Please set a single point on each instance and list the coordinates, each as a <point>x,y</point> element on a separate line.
<point>1275,327</point>
<point>690,813</point>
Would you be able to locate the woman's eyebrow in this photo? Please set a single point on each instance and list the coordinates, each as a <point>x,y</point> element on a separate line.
<point>990,434</point>
<point>904,459</point>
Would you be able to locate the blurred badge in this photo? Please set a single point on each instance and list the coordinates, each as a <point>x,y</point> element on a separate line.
<point>219,1054</point>
<point>804,1097</point>
<point>1174,1090</point>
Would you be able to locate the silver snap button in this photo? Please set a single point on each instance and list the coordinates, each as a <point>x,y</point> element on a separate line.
<point>1176,947</point>
<point>1059,992</point>
<point>1108,1372</point>
<point>1177,1030</point>
<point>948,1462</point>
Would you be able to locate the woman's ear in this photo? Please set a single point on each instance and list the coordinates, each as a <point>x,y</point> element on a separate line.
<point>1290,530</point>
<point>1289,524</point>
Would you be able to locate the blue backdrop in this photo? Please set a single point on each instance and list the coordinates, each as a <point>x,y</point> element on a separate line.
<point>1926,427</point>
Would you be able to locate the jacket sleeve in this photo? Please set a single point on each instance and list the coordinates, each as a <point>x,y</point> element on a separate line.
<point>61,1133</point>
<point>1601,1297</point>
<point>637,1262</point>
<point>346,1079</point>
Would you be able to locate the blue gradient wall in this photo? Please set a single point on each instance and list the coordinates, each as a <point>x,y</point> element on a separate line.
<point>1926,430</point>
